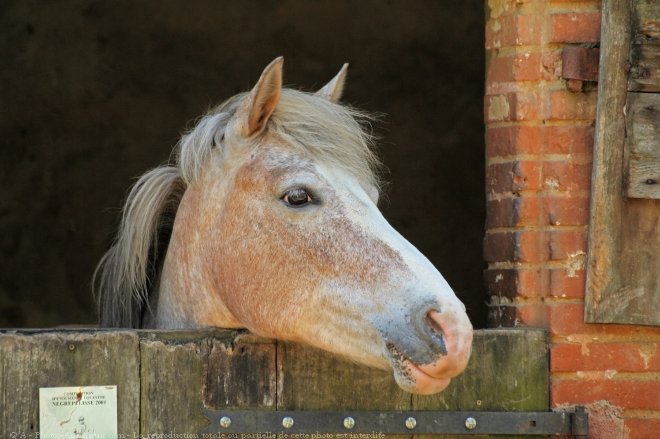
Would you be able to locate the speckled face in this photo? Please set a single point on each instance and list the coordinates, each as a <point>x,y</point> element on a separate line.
<point>290,247</point>
<point>301,252</point>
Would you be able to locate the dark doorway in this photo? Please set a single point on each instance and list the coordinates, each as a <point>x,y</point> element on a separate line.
<point>95,93</point>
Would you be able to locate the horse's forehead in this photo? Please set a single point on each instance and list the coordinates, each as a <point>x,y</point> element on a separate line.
<point>284,160</point>
<point>271,164</point>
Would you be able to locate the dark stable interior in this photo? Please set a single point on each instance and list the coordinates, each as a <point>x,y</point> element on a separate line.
<point>96,93</point>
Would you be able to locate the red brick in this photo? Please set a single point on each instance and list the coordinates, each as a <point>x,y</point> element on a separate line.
<point>512,140</point>
<point>567,283</point>
<point>559,211</point>
<point>565,105</point>
<point>531,247</point>
<point>566,244</point>
<point>511,107</point>
<point>568,139</point>
<point>622,357</point>
<point>566,176</point>
<point>642,428</point>
<point>513,177</point>
<point>509,212</point>
<point>535,314</point>
<point>519,246</point>
<point>632,394</point>
<point>520,67</point>
<point>551,65</point>
<point>568,319</point>
<point>513,282</point>
<point>526,107</point>
<point>513,30</point>
<point>575,28</point>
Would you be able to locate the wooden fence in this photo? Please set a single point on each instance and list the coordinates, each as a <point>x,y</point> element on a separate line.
<point>165,379</point>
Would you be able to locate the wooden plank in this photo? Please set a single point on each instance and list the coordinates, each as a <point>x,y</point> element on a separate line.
<point>645,50</point>
<point>642,155</point>
<point>637,298</point>
<point>645,68</point>
<point>643,179</point>
<point>646,21</point>
<point>184,372</point>
<point>171,379</point>
<point>508,371</point>
<point>167,378</point>
<point>310,379</point>
<point>643,125</point>
<point>604,246</point>
<point>62,359</point>
<point>242,373</point>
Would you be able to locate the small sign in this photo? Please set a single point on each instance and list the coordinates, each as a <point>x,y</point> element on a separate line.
<point>78,412</point>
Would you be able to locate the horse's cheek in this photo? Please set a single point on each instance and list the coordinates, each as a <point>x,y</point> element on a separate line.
<point>260,277</point>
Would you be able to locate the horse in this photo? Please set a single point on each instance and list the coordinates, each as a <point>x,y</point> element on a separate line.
<point>267,219</point>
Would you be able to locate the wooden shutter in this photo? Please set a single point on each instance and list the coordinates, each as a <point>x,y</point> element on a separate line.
<point>623,269</point>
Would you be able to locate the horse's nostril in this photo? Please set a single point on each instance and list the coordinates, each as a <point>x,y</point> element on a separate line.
<point>435,332</point>
<point>432,320</point>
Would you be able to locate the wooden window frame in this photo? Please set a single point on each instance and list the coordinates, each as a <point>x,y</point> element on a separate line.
<point>623,268</point>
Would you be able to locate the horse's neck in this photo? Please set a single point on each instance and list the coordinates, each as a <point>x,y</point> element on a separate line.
<point>186,296</point>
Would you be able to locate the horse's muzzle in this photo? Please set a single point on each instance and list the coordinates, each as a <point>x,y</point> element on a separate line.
<point>433,348</point>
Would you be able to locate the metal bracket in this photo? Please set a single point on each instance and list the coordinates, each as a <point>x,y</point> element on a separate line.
<point>376,424</point>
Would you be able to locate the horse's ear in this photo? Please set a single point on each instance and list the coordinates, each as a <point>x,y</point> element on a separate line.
<point>333,90</point>
<point>260,104</point>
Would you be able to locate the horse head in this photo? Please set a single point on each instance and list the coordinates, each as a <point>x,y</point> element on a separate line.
<point>277,230</point>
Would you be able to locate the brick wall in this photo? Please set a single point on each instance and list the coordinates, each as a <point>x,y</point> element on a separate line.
<point>539,137</point>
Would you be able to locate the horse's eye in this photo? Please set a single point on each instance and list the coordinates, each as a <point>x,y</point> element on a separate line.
<point>297,197</point>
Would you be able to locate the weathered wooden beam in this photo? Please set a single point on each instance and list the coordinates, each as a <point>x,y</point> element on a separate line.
<point>623,269</point>
<point>166,379</point>
<point>607,180</point>
<point>643,145</point>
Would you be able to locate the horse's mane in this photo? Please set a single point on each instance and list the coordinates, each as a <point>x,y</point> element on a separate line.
<point>315,127</point>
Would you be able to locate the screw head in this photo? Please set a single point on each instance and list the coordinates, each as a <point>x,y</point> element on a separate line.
<point>470,423</point>
<point>349,422</point>
<point>225,422</point>
<point>411,423</point>
<point>287,422</point>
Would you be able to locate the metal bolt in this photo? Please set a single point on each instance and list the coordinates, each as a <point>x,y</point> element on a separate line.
<point>470,423</point>
<point>225,422</point>
<point>287,422</point>
<point>411,423</point>
<point>349,422</point>
<point>72,347</point>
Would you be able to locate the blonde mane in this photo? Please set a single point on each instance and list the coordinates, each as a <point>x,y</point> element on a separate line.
<point>125,280</point>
